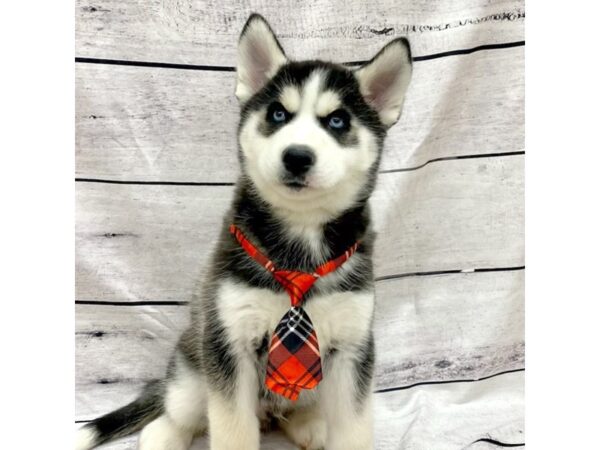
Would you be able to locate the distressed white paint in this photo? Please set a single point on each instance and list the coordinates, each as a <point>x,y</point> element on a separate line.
<point>192,32</point>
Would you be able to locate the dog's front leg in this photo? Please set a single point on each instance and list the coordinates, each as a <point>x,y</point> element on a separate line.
<point>346,399</point>
<point>233,423</point>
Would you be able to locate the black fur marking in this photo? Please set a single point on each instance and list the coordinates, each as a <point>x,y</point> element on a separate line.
<point>188,347</point>
<point>132,417</point>
<point>364,366</point>
<point>342,81</point>
<point>268,126</point>
<point>262,348</point>
<point>218,360</point>
<point>346,135</point>
<point>338,78</point>
<point>256,219</point>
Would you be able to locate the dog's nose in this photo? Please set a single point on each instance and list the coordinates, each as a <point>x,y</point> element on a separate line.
<point>298,159</point>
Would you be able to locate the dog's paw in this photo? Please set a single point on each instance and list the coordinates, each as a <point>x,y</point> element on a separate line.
<point>163,434</point>
<point>307,430</point>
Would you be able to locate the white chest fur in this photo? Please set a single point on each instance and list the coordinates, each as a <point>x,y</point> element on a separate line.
<point>341,319</point>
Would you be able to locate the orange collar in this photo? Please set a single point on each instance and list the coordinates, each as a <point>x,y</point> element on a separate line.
<point>296,283</point>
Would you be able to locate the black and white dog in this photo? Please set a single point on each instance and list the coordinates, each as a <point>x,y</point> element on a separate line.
<point>310,140</point>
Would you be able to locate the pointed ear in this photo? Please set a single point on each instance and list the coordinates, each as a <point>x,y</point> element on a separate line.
<point>259,57</point>
<point>383,80</point>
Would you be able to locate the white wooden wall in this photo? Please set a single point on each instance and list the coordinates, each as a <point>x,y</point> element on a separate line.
<point>156,159</point>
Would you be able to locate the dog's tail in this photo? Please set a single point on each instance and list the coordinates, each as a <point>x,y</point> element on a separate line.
<point>124,421</point>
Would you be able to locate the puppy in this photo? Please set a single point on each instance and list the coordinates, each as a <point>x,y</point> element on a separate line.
<point>282,329</point>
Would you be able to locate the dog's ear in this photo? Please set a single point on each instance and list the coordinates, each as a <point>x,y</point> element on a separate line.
<point>259,57</point>
<point>383,80</point>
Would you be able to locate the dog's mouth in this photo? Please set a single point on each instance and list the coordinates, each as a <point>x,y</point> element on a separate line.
<point>295,183</point>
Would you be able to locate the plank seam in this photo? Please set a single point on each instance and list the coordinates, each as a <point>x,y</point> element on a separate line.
<point>448,272</point>
<point>452,158</point>
<point>135,303</point>
<point>226,183</point>
<point>382,278</point>
<point>429,383</point>
<point>211,68</point>
<point>498,443</point>
<point>154,183</point>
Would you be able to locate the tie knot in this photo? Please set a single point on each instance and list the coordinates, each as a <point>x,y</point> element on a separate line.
<point>296,283</point>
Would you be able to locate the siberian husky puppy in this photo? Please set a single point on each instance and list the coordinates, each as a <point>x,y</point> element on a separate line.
<point>263,346</point>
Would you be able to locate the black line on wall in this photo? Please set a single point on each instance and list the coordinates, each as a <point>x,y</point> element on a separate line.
<point>451,158</point>
<point>162,65</point>
<point>154,183</point>
<point>227,183</point>
<point>470,50</point>
<point>448,272</point>
<point>136,303</point>
<point>427,383</point>
<point>498,443</point>
<point>498,269</point>
<point>382,278</point>
<point>122,62</point>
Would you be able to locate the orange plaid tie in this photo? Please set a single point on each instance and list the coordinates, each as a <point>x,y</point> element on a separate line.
<point>294,358</point>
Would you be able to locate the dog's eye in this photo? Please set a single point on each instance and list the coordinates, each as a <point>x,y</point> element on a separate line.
<point>277,113</point>
<point>338,120</point>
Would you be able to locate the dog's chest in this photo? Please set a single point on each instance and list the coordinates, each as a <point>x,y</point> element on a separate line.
<point>340,319</point>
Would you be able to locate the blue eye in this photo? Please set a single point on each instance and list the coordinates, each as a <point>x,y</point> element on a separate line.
<point>337,122</point>
<point>278,115</point>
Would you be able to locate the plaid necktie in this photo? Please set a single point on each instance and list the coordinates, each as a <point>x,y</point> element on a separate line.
<point>294,358</point>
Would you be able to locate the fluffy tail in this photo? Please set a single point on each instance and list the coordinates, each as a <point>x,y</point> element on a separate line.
<point>124,421</point>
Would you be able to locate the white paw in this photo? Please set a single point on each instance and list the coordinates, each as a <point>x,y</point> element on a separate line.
<point>305,429</point>
<point>163,434</point>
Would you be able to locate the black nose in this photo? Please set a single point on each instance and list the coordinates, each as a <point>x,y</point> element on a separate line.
<point>298,159</point>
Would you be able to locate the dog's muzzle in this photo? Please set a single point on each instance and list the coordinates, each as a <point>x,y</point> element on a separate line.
<point>297,160</point>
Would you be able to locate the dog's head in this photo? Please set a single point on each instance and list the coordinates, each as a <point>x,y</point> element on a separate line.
<point>311,132</point>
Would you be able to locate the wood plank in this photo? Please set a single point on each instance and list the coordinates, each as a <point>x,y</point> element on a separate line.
<point>451,417</point>
<point>448,327</point>
<point>444,417</point>
<point>207,32</point>
<point>138,123</point>
<point>144,242</point>
<point>439,328</point>
<point>457,214</point>
<point>151,242</point>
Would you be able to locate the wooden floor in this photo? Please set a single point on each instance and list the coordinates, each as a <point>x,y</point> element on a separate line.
<point>155,163</point>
